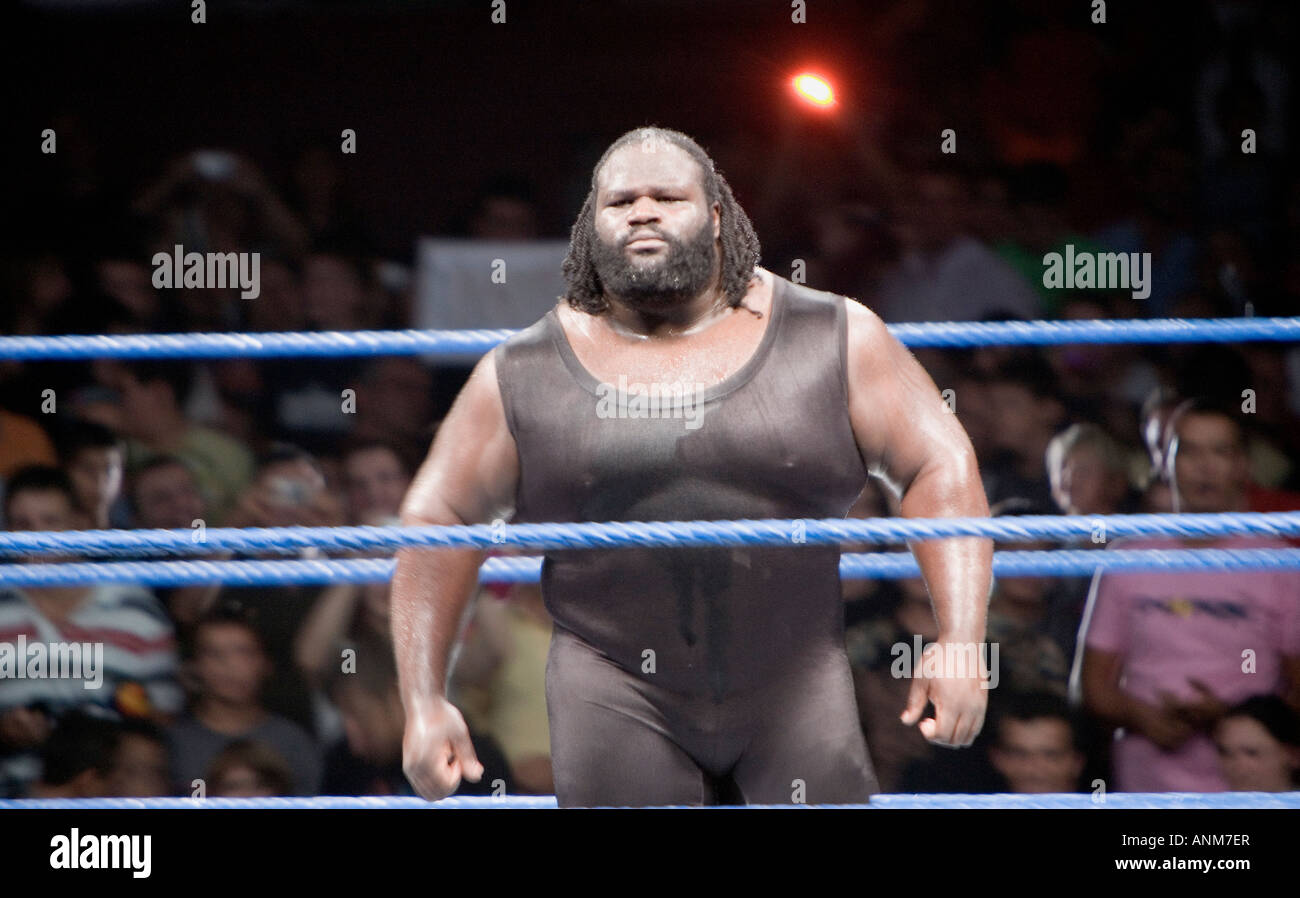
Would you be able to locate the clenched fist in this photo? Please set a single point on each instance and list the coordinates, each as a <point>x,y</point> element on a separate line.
<point>436,751</point>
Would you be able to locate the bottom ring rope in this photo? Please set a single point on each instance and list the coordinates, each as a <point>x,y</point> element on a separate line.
<point>1060,801</point>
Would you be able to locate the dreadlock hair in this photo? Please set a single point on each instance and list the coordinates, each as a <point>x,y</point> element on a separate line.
<point>740,248</point>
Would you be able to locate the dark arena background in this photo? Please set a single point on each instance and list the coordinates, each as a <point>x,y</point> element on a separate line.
<point>253,251</point>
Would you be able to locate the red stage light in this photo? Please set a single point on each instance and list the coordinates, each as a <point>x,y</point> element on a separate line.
<point>815,89</point>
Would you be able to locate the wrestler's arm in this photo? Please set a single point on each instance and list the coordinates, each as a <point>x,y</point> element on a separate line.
<point>910,439</point>
<point>469,477</point>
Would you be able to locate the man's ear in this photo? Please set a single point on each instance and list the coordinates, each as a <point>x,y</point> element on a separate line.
<point>717,220</point>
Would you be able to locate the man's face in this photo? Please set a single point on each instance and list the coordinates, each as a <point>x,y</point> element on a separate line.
<point>376,483</point>
<point>655,244</point>
<point>1037,756</point>
<point>41,510</point>
<point>230,664</point>
<point>242,782</point>
<point>139,769</point>
<point>1087,486</point>
<point>138,402</point>
<point>281,305</point>
<point>396,398</point>
<point>373,727</point>
<point>1210,466</point>
<point>1251,759</point>
<point>1017,415</point>
<point>97,476</point>
<point>332,291</point>
<point>168,497</point>
<point>129,282</point>
<point>288,489</point>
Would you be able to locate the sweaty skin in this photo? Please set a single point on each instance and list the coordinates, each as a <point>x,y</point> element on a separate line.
<point>903,429</point>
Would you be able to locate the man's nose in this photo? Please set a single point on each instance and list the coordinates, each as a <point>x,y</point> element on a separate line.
<point>643,209</point>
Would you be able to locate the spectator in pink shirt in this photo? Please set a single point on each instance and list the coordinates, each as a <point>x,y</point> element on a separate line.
<point>1163,655</point>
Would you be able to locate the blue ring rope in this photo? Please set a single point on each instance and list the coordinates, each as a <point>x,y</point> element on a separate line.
<point>1111,800</point>
<point>622,534</point>
<point>415,342</point>
<point>943,334</point>
<point>1056,563</point>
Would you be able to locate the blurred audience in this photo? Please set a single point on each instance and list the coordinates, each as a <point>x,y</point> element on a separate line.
<point>77,760</point>
<point>1026,411</point>
<point>228,668</point>
<point>124,639</point>
<point>1163,653</point>
<point>151,397</point>
<point>1028,658</point>
<point>289,490</point>
<point>500,678</point>
<point>1088,472</point>
<point>93,458</point>
<point>369,759</point>
<point>1258,742</point>
<point>346,626</point>
<point>141,765</point>
<point>246,768</point>
<point>944,274</point>
<point>22,442</point>
<point>376,477</point>
<point>1037,746</point>
<point>881,653</point>
<point>164,494</point>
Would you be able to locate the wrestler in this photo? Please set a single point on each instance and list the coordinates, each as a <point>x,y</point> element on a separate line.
<point>696,675</point>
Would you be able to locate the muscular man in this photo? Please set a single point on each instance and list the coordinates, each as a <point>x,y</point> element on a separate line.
<point>679,381</point>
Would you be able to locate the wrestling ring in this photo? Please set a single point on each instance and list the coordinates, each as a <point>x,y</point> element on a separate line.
<point>171,568</point>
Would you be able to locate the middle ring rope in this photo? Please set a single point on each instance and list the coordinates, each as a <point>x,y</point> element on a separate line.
<point>1099,529</point>
<point>330,344</point>
<point>1055,563</point>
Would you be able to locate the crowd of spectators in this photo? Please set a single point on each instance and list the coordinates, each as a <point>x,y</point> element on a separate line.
<point>1148,682</point>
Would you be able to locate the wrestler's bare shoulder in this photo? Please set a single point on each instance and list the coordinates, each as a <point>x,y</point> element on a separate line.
<point>867,334</point>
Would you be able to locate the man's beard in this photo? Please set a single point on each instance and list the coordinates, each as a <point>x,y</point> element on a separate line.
<point>680,272</point>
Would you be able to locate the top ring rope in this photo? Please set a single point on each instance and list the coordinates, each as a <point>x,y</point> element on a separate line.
<point>946,334</point>
<point>616,534</point>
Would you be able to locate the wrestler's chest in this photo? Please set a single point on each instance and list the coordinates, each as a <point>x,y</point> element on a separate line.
<point>707,360</point>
